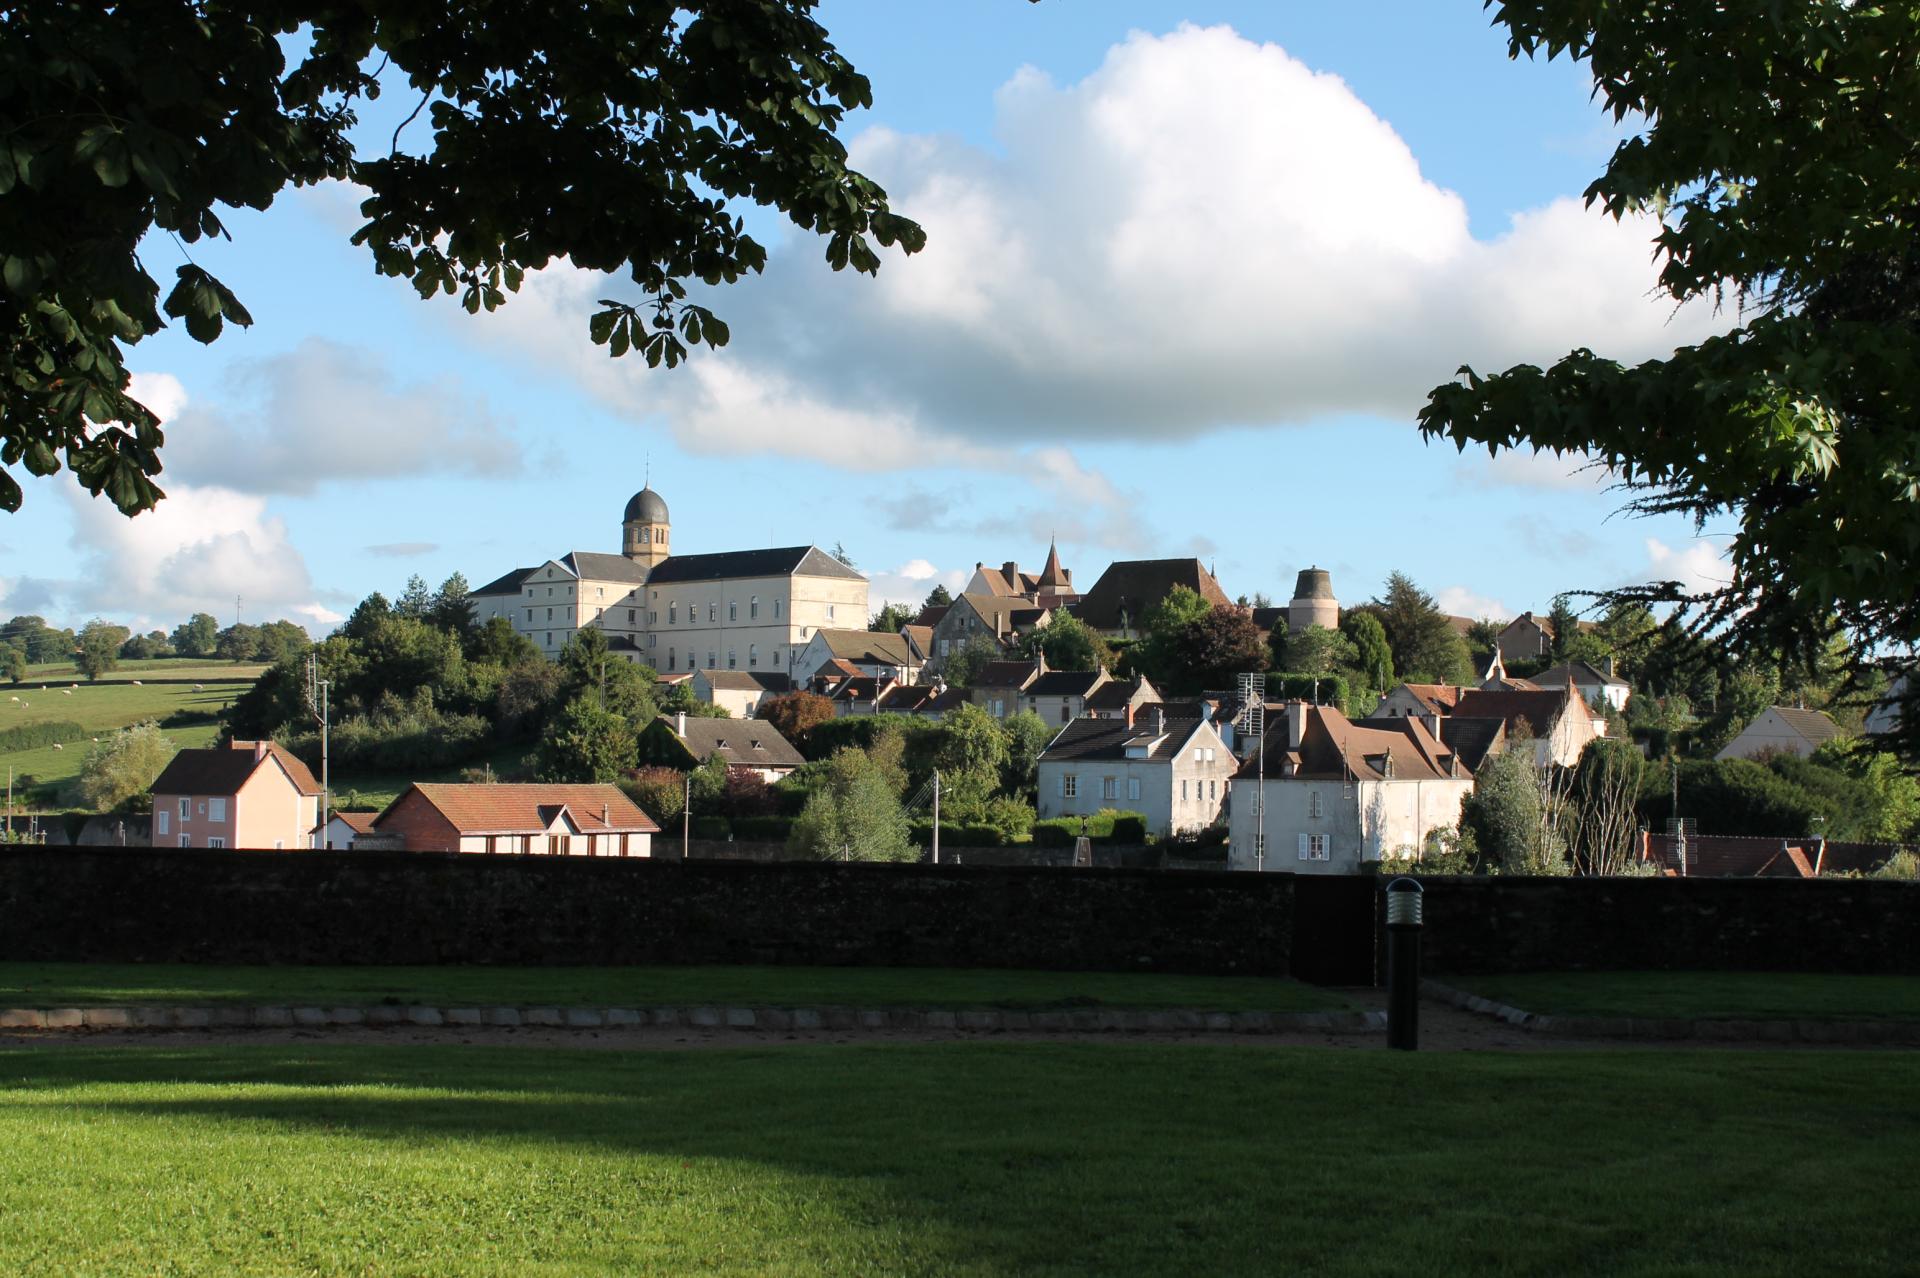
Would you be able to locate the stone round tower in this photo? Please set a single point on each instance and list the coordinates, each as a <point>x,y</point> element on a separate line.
<point>644,529</point>
<point>1313,603</point>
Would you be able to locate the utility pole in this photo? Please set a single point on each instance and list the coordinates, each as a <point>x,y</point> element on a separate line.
<point>936,816</point>
<point>686,819</point>
<point>317,692</point>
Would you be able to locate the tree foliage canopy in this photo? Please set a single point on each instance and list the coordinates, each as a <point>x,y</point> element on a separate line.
<point>1779,148</point>
<point>614,135</point>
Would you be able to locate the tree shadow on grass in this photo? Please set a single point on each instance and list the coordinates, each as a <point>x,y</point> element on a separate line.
<point>1095,1158</point>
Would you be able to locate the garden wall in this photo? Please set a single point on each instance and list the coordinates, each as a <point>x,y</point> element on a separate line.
<point>193,906</point>
<point>1809,925</point>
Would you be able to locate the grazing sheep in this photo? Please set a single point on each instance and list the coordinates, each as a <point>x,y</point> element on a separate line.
<point>136,683</point>
<point>66,692</point>
<point>58,746</point>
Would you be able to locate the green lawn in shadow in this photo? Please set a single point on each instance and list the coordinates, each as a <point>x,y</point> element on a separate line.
<point>93,985</point>
<point>1790,996</point>
<point>967,1158</point>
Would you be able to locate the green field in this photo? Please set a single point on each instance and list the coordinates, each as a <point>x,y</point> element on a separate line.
<point>124,697</point>
<point>93,985</point>
<point>962,1158</point>
<point>1796,996</point>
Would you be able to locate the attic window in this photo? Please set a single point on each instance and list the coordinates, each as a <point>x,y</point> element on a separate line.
<point>720,744</point>
<point>753,745</point>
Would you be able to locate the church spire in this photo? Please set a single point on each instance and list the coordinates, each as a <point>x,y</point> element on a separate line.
<point>1052,575</point>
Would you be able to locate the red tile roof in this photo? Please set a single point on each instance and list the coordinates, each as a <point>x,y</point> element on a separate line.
<point>219,771</point>
<point>518,809</point>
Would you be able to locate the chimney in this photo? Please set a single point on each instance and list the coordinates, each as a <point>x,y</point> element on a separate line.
<point>1130,709</point>
<point>1296,713</point>
<point>1433,724</point>
<point>680,723</point>
<point>606,814</point>
<point>1159,720</point>
<point>1206,712</point>
<point>259,751</point>
<point>1012,571</point>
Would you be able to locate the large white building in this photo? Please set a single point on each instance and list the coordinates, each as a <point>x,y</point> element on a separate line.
<point>735,610</point>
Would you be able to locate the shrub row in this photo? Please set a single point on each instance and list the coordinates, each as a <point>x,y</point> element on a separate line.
<point>190,718</point>
<point>31,736</point>
<point>1104,826</point>
<point>413,743</point>
<point>959,836</point>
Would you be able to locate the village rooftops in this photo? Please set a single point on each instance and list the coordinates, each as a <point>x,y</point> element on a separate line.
<point>1129,587</point>
<point>1538,710</point>
<point>752,743</point>
<point>1334,748</point>
<point>804,561</point>
<point>870,647</point>
<point>1155,737</point>
<point>1065,683</point>
<point>521,809</point>
<point>591,565</point>
<point>217,771</point>
<point>747,680</point>
<point>1008,674</point>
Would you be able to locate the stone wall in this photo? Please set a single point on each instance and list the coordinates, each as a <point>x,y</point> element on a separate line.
<point>196,906</point>
<point>1819,925</point>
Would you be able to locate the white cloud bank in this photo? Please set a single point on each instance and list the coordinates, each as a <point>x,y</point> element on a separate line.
<point>1203,233</point>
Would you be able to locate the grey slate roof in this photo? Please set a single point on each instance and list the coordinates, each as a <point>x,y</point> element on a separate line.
<point>504,585</point>
<point>1814,725</point>
<point>875,647</point>
<point>747,680</point>
<point>1063,683</point>
<point>1109,738</point>
<point>1132,586</point>
<point>751,742</point>
<point>591,565</point>
<point>809,561</point>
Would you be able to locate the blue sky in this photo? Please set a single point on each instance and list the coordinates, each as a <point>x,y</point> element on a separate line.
<point>1191,269</point>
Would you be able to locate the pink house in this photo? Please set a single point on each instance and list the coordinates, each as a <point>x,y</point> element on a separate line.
<point>253,794</point>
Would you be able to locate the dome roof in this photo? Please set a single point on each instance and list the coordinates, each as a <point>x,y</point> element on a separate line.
<point>647,507</point>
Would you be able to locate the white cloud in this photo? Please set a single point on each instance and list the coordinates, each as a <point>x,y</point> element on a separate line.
<point>912,582</point>
<point>1698,565</point>
<point>1540,469</point>
<point>1462,602</point>
<point>326,411</point>
<point>1203,233</point>
<point>197,551</point>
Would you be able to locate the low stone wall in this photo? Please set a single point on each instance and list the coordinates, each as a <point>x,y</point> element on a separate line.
<point>1524,925</point>
<point>194,906</point>
<point>1112,855</point>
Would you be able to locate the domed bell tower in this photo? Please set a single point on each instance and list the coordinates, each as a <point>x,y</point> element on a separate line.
<point>643,532</point>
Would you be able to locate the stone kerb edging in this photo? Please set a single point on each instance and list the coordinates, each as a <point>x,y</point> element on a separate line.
<point>238,1016</point>
<point>1659,1027</point>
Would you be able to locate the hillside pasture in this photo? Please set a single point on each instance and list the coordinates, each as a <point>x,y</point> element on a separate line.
<point>116,701</point>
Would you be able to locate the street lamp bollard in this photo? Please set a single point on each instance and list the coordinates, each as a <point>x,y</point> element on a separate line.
<point>1403,964</point>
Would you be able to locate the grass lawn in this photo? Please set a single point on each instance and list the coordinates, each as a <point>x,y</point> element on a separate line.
<point>967,1158</point>
<point>100,708</point>
<point>1799,996</point>
<point>88,984</point>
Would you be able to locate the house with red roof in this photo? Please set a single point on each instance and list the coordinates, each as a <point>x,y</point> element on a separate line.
<point>251,794</point>
<point>1324,795</point>
<point>517,820</point>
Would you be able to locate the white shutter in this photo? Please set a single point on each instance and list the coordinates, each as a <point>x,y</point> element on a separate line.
<point>1306,849</point>
<point>1061,780</point>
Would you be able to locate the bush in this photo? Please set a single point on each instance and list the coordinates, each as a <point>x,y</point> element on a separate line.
<point>31,736</point>
<point>712,827</point>
<point>767,829</point>
<point>1129,829</point>
<point>1059,832</point>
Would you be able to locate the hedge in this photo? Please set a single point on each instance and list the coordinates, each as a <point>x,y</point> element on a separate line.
<point>31,736</point>
<point>1326,690</point>
<point>1104,826</point>
<point>712,827</point>
<point>959,836</point>
<point>770,829</point>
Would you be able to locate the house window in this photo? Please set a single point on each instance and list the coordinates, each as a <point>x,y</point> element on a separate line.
<point>529,616</point>
<point>753,607</point>
<point>776,610</point>
<point>186,840</point>
<point>946,646</point>
<point>1069,786</point>
<point>829,612</point>
<point>710,661</point>
<point>653,616</point>
<point>1064,716</point>
<point>215,841</point>
<point>632,615</point>
<point>1183,792</point>
<point>549,614</point>
<point>733,610</point>
<point>216,809</point>
<point>549,638</point>
<point>1133,787</point>
<point>279,844</point>
<point>731,663</point>
<point>1259,845</point>
<point>753,655</point>
<point>673,613</point>
<point>1313,847</point>
<point>160,816</point>
<point>1313,804</point>
<point>669,658</point>
<point>186,809</point>
<point>999,708</point>
<point>549,592</point>
<point>1109,787</point>
<point>713,611</point>
<point>599,592</point>
<point>1213,789</point>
